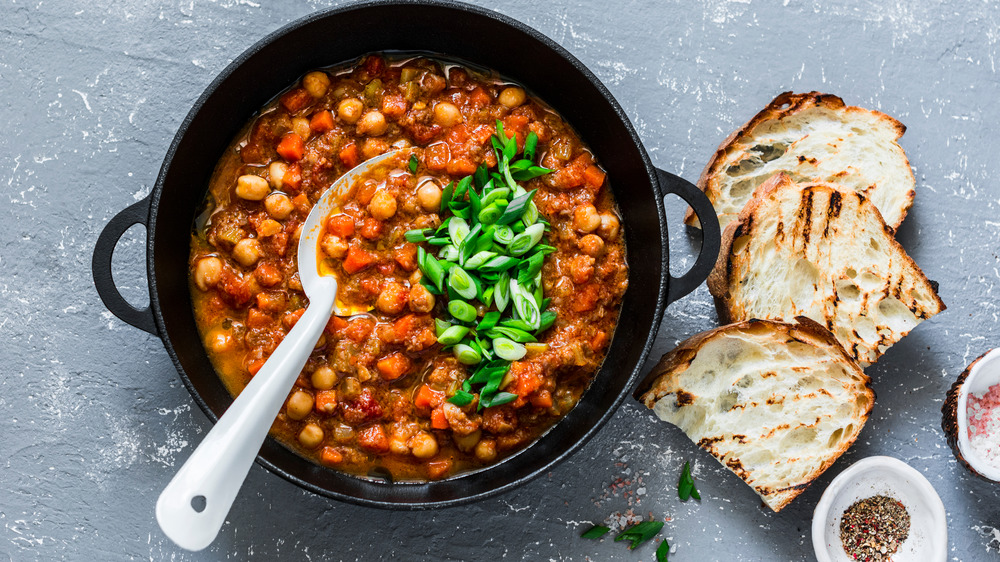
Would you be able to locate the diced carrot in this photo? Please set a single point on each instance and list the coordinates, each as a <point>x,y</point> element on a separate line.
<point>374,439</point>
<point>321,122</point>
<point>438,469</point>
<point>527,379</point>
<point>291,147</point>
<point>541,399</point>
<point>461,167</point>
<point>427,397</point>
<point>371,286</point>
<point>350,155</point>
<point>593,177</point>
<point>406,256</point>
<point>483,133</point>
<point>342,225</point>
<point>290,318</point>
<point>386,268</point>
<point>357,259</point>
<point>336,324</point>
<point>586,298</point>
<point>458,135</point>
<point>405,325</point>
<point>436,156</point>
<point>359,329</point>
<point>438,419</point>
<point>301,203</point>
<point>371,228</point>
<point>331,456</point>
<point>256,318</point>
<point>296,99</point>
<point>326,401</point>
<point>393,366</point>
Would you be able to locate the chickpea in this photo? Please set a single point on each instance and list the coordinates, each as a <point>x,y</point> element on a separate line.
<point>247,251</point>
<point>316,83</point>
<point>383,205</point>
<point>334,246</point>
<point>592,245</point>
<point>299,405</point>
<point>219,341</point>
<point>511,97</point>
<point>301,127</point>
<point>311,436</point>
<point>609,226</point>
<point>349,110</point>
<point>424,445</point>
<point>421,300</point>
<point>276,174</point>
<point>447,114</point>
<point>251,188</point>
<point>373,124</point>
<point>392,299</point>
<point>323,378</point>
<point>486,450</point>
<point>207,272</point>
<point>398,447</point>
<point>466,443</point>
<point>278,205</point>
<point>586,219</point>
<point>429,195</point>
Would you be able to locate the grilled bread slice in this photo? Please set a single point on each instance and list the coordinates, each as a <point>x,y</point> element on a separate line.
<point>775,403</point>
<point>812,137</point>
<point>821,251</point>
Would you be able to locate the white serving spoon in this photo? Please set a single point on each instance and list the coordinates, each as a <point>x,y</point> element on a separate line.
<point>194,505</point>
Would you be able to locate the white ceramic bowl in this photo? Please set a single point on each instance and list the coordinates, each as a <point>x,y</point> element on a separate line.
<point>928,537</point>
<point>983,373</point>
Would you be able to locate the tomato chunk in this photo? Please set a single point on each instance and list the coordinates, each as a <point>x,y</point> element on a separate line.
<point>374,439</point>
<point>342,225</point>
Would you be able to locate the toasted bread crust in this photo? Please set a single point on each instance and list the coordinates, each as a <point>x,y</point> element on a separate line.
<point>722,279</point>
<point>785,105</point>
<point>662,382</point>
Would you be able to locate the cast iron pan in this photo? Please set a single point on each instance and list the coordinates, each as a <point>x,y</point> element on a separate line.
<point>455,30</point>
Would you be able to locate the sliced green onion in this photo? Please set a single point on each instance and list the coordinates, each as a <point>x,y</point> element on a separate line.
<point>525,305</point>
<point>529,173</point>
<point>530,215</point>
<point>462,188</point>
<point>501,296</point>
<point>468,245</point>
<point>509,350</point>
<point>548,319</point>
<point>489,320</point>
<point>479,259</point>
<point>413,163</point>
<point>640,533</point>
<point>494,195</point>
<point>475,202</point>
<point>530,143</point>
<point>503,234</point>
<point>481,176</point>
<point>417,235</point>
<point>439,241</point>
<point>516,208</point>
<point>461,398</point>
<point>431,268</point>
<point>440,326</point>
<point>462,282</point>
<point>458,229</point>
<point>490,214</point>
<point>466,355</point>
<point>524,241</point>
<point>499,263</point>
<point>453,335</point>
<point>461,210</point>
<point>663,551</point>
<point>499,399</point>
<point>462,310</point>
<point>514,334</point>
<point>449,253</point>
<point>446,195</point>
<point>595,532</point>
<point>531,267</point>
<point>487,295</point>
<point>516,324</point>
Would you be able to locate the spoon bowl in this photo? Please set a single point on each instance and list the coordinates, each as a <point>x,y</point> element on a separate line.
<point>193,506</point>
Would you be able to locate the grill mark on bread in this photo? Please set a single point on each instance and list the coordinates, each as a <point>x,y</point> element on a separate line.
<point>805,211</point>
<point>684,398</point>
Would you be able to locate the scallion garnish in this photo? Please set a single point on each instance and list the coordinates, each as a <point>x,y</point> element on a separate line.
<point>595,532</point>
<point>491,251</point>
<point>663,551</point>
<point>640,533</point>
<point>413,163</point>
<point>685,488</point>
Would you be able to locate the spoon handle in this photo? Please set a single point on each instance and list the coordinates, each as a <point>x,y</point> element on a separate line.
<point>214,473</point>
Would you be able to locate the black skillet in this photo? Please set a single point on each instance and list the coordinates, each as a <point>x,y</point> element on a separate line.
<point>486,39</point>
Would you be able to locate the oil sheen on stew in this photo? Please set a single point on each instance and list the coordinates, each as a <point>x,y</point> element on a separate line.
<point>381,392</point>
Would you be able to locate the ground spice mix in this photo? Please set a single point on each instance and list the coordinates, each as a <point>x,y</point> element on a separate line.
<point>873,528</point>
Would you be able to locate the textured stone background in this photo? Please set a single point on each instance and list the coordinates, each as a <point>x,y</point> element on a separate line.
<point>94,420</point>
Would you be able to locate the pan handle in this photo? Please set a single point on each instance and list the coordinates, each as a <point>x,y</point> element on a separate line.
<point>141,318</point>
<point>711,235</point>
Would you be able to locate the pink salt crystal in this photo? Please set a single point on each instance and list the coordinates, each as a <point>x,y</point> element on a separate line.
<point>984,424</point>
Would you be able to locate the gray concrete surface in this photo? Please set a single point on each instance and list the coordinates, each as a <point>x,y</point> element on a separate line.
<point>94,420</point>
